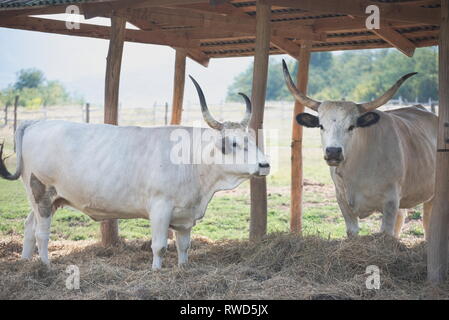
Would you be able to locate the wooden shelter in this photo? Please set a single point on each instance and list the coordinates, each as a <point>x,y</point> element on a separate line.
<point>205,29</point>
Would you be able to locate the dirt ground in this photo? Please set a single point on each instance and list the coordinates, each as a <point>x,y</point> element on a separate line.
<point>282,266</point>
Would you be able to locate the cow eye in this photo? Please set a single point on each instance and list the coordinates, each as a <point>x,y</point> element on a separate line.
<point>351,128</point>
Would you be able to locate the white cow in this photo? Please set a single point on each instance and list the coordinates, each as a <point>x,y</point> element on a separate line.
<point>379,161</point>
<point>111,172</point>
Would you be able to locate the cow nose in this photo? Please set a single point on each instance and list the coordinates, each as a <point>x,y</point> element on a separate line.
<point>333,153</point>
<point>264,165</point>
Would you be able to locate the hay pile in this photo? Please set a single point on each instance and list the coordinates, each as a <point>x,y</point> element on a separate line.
<point>280,267</point>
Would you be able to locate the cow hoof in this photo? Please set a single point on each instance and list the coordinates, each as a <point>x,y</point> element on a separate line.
<point>352,235</point>
<point>46,263</point>
<point>25,258</point>
<point>156,267</point>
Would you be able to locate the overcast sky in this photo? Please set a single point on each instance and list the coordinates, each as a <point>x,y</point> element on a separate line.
<point>79,63</point>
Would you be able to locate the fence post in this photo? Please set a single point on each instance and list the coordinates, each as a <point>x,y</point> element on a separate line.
<point>166,113</point>
<point>44,111</point>
<point>6,114</point>
<point>16,103</point>
<point>432,106</point>
<point>154,113</point>
<point>87,112</point>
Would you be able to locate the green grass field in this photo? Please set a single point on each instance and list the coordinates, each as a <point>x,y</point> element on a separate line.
<point>227,216</point>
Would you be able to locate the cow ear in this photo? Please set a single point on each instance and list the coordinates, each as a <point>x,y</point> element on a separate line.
<point>308,120</point>
<point>367,119</point>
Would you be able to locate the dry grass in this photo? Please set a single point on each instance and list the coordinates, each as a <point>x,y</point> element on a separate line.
<point>280,267</point>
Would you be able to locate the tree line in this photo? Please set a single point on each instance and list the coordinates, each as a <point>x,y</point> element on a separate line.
<point>34,90</point>
<point>352,75</point>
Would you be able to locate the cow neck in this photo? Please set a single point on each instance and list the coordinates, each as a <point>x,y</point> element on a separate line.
<point>360,148</point>
<point>213,179</point>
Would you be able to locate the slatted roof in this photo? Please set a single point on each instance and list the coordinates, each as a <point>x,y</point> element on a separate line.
<point>228,29</point>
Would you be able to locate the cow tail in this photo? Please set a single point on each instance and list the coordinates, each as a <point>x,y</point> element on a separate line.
<point>4,173</point>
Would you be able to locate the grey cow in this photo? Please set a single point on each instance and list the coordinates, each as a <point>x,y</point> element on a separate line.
<point>379,161</point>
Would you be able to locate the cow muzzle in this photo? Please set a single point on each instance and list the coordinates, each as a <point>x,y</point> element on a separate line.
<point>334,156</point>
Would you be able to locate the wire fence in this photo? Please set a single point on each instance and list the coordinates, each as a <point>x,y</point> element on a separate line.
<point>154,115</point>
<point>278,114</point>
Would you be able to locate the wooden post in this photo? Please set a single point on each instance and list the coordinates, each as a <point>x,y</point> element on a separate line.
<point>437,255</point>
<point>154,113</point>
<point>258,225</point>
<point>109,228</point>
<point>87,112</point>
<point>16,104</point>
<point>6,114</point>
<point>178,94</point>
<point>296,147</point>
<point>178,86</point>
<point>166,114</point>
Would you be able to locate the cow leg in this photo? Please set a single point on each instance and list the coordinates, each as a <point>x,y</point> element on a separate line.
<point>352,225</point>
<point>29,241</point>
<point>42,236</point>
<point>183,245</point>
<point>160,222</point>
<point>43,208</point>
<point>400,218</point>
<point>351,221</point>
<point>427,208</point>
<point>391,209</point>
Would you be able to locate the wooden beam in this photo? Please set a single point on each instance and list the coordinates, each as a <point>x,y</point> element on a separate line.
<point>195,54</point>
<point>102,32</point>
<point>94,31</point>
<point>92,7</point>
<point>205,35</point>
<point>109,228</point>
<point>345,37</point>
<point>287,46</point>
<point>258,224</point>
<point>437,249</point>
<point>396,39</point>
<point>178,86</point>
<point>96,8</point>
<point>284,44</point>
<point>297,184</point>
<point>218,23</point>
<point>389,11</point>
<point>198,56</point>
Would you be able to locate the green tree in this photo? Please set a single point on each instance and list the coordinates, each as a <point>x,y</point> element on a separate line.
<point>29,78</point>
<point>35,91</point>
<point>354,75</point>
<point>54,93</point>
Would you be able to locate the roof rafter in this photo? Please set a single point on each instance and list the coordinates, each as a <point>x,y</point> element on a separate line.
<point>282,43</point>
<point>95,31</point>
<point>218,22</point>
<point>396,39</point>
<point>194,54</point>
<point>389,11</point>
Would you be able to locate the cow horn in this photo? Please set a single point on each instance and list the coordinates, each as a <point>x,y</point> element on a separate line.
<point>214,124</point>
<point>369,106</point>
<point>247,118</point>
<point>302,98</point>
